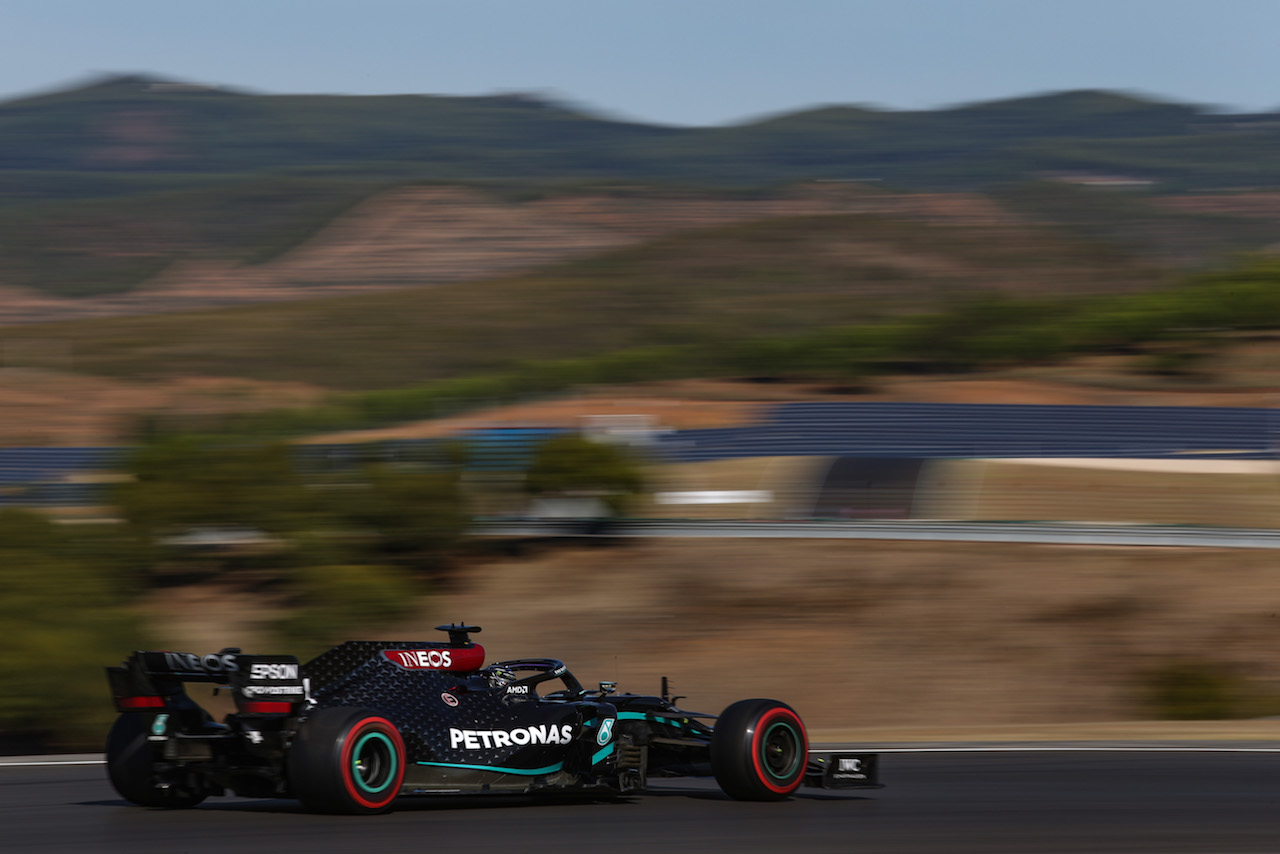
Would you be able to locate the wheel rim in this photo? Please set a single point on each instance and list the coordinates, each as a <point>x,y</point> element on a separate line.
<point>780,751</point>
<point>373,762</point>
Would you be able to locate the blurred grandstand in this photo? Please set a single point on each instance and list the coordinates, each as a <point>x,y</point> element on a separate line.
<point>1177,465</point>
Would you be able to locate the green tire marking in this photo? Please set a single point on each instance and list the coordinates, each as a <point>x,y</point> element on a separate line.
<point>355,762</point>
<point>764,746</point>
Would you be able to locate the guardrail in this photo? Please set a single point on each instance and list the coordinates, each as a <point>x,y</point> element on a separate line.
<point>998,532</point>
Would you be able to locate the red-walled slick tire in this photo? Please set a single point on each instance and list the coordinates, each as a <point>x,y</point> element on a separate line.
<point>759,750</point>
<point>346,760</point>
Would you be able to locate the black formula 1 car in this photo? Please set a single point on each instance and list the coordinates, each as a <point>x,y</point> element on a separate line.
<point>370,721</point>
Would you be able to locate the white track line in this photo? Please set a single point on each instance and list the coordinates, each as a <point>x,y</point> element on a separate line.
<point>1052,749</point>
<point>36,763</point>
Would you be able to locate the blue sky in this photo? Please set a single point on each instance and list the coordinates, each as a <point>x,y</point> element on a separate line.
<point>688,62</point>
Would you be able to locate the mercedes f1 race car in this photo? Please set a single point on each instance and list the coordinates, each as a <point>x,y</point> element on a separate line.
<point>370,721</point>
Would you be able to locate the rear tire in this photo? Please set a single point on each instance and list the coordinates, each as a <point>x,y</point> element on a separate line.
<point>759,750</point>
<point>346,760</point>
<point>129,766</point>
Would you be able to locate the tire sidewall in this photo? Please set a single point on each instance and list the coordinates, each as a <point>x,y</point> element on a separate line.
<point>738,750</point>
<point>378,731</point>
<point>129,759</point>
<point>322,761</point>
<point>782,716</point>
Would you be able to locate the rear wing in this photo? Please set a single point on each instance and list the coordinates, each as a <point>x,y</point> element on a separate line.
<point>260,684</point>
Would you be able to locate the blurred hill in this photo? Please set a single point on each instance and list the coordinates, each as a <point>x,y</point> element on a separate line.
<point>288,246</point>
<point>727,283</point>
<point>405,236</point>
<point>134,124</point>
<point>109,186</point>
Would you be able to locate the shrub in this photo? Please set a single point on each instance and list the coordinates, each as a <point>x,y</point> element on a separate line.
<point>1203,690</point>
<point>409,517</point>
<point>65,617</point>
<point>572,465</point>
<point>182,482</point>
<point>335,603</point>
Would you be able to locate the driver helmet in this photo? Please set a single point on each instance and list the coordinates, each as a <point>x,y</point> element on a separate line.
<point>499,676</point>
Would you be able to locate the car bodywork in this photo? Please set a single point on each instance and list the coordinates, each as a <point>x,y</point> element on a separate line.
<point>369,721</point>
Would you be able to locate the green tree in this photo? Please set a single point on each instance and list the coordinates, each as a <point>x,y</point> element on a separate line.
<point>372,515</point>
<point>65,616</point>
<point>409,517</point>
<point>333,603</point>
<point>181,482</point>
<point>571,465</point>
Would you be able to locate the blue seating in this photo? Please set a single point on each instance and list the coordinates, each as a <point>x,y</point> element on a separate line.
<point>940,430</point>
<point>903,430</point>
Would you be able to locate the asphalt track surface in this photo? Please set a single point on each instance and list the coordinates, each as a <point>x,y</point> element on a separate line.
<point>1024,802</point>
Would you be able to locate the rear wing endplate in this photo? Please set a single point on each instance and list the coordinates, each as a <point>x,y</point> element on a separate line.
<point>147,679</point>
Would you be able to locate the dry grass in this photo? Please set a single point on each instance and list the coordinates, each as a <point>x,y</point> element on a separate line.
<point>421,235</point>
<point>51,407</point>
<point>875,640</point>
<point>1012,490</point>
<point>877,634</point>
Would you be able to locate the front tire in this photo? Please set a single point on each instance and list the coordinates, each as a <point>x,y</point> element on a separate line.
<point>129,766</point>
<point>346,760</point>
<point>759,750</point>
